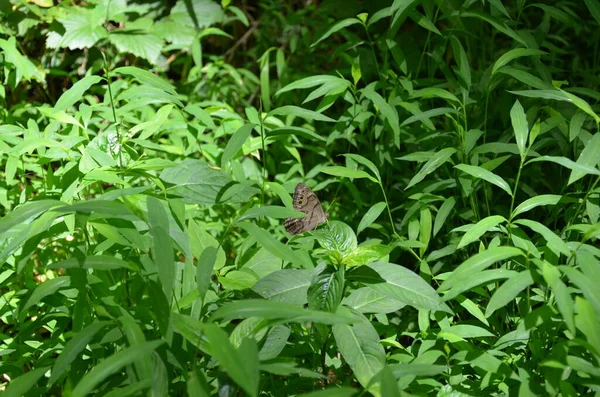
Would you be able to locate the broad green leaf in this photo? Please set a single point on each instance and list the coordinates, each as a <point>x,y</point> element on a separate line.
<point>586,322</point>
<point>344,23</point>
<point>23,66</point>
<point>594,7</point>
<point>275,342</point>
<point>309,82</point>
<point>560,95</point>
<point>443,213</point>
<point>235,143</point>
<point>45,289</point>
<point>337,237</point>
<point>271,211</point>
<point>240,364</point>
<point>484,277</point>
<point>98,262</point>
<point>562,296</point>
<point>555,243</point>
<point>482,173</point>
<point>272,310</point>
<point>433,92</point>
<point>589,157</point>
<point>23,385</point>
<point>162,247</point>
<point>73,349</point>
<point>75,93</point>
<point>286,285</point>
<point>529,204</point>
<point>388,112</point>
<point>366,162</point>
<point>436,161</point>
<point>508,291</point>
<point>466,331</point>
<point>520,126</point>
<point>514,54</point>
<point>586,285</point>
<point>367,300</point>
<point>360,346</point>
<point>477,263</point>
<point>111,365</point>
<point>345,172</point>
<point>297,111</point>
<point>570,164</point>
<point>575,124</point>
<point>370,216</point>
<point>204,270</point>
<point>478,229</point>
<point>280,250</point>
<point>405,286</point>
<point>428,114</point>
<point>25,213</point>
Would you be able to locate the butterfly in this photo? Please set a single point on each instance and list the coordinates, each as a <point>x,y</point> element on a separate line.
<point>305,200</point>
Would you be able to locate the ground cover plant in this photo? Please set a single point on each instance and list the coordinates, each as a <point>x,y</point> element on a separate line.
<point>149,154</point>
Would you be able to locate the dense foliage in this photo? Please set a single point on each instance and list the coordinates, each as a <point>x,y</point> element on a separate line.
<point>149,152</point>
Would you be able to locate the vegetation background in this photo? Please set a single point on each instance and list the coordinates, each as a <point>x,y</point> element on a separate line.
<point>149,151</point>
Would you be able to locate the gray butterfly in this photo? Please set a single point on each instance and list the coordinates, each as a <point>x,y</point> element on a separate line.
<point>305,200</point>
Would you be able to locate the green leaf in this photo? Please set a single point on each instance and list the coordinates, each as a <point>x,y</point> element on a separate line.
<point>138,39</point>
<point>370,216</point>
<point>594,7</point>
<point>360,347</point>
<point>240,364</point>
<point>338,238</point>
<point>45,289</point>
<point>570,164</point>
<point>286,285</point>
<point>508,291</point>
<point>520,127</point>
<point>560,95</point>
<point>326,290</point>
<point>482,173</point>
<point>345,172</point>
<point>235,143</point>
<point>366,254</point>
<point>443,213</point>
<point>297,111</point>
<point>529,204</point>
<point>112,364</point>
<point>162,248</point>
<point>23,66</point>
<point>433,92</point>
<point>367,300</point>
<point>403,285</point>
<point>98,262</point>
<point>479,229</point>
<point>204,270</point>
<point>366,162</point>
<point>514,54</point>
<point>388,112</point>
<point>271,211</point>
<point>589,157</point>
<point>23,384</point>
<point>272,310</point>
<point>25,213</point>
<point>84,27</point>
<point>344,23</point>
<point>477,263</point>
<point>197,183</point>
<point>436,161</point>
<point>73,349</point>
<point>280,250</point>
<point>75,93</point>
<point>555,243</point>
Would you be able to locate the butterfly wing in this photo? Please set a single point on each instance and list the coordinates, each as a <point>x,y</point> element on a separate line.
<point>305,200</point>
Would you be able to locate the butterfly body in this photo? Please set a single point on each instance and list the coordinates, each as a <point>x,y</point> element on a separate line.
<point>305,200</point>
